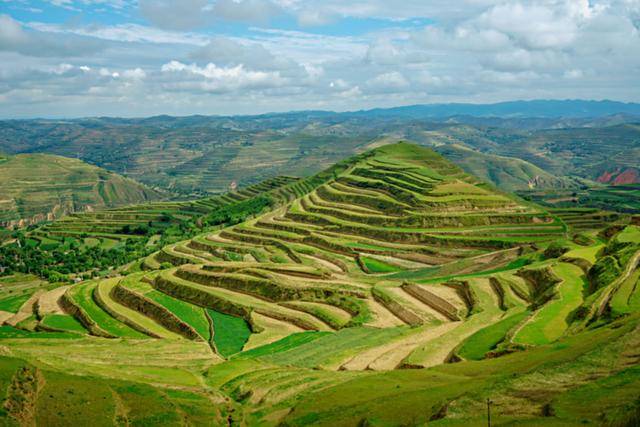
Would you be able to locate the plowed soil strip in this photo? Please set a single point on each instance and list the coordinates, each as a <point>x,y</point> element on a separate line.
<point>48,302</point>
<point>383,317</point>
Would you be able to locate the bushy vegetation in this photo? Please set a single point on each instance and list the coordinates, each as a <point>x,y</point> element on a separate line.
<point>59,256</point>
<point>556,250</point>
<point>238,212</point>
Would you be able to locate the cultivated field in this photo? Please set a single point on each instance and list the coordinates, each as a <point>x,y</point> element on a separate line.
<point>391,289</point>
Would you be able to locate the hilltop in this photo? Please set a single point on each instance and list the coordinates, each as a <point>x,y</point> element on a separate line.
<point>312,306</point>
<point>37,187</point>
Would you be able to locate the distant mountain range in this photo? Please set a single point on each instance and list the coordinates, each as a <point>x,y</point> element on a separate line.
<point>541,109</point>
<point>513,109</point>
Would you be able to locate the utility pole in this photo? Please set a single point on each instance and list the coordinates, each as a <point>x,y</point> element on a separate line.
<point>489,403</point>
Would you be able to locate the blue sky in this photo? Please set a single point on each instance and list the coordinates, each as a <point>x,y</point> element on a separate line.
<point>70,58</point>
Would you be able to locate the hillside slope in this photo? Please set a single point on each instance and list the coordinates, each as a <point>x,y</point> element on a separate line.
<point>506,173</point>
<point>41,186</point>
<point>310,311</point>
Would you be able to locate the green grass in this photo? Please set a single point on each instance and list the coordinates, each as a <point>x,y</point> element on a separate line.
<point>330,348</point>
<point>13,303</point>
<point>66,399</point>
<point>630,234</point>
<point>412,397</point>
<point>133,317</point>
<point>479,344</point>
<point>377,266</point>
<point>230,332</point>
<point>627,298</point>
<point>82,295</point>
<point>9,332</point>
<point>589,253</point>
<point>551,321</point>
<point>62,322</point>
<point>188,313</point>
<point>285,344</point>
<point>613,399</point>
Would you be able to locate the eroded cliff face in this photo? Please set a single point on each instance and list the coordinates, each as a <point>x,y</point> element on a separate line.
<point>58,211</point>
<point>620,176</point>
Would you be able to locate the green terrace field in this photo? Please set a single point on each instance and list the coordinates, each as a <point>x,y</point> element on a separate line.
<point>618,198</point>
<point>390,289</point>
<point>91,244</point>
<point>105,227</point>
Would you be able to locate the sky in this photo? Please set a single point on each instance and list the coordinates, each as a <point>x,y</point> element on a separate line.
<point>134,58</point>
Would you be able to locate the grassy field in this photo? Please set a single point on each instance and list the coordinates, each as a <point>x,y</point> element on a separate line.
<point>549,323</point>
<point>62,322</point>
<point>229,333</point>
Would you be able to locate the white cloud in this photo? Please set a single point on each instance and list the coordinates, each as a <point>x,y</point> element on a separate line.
<point>130,33</point>
<point>175,14</point>
<point>14,38</point>
<point>388,82</point>
<point>134,74</point>
<point>212,78</point>
<point>188,58</point>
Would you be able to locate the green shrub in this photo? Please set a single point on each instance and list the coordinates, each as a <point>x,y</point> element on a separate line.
<point>603,272</point>
<point>555,250</point>
<point>238,212</point>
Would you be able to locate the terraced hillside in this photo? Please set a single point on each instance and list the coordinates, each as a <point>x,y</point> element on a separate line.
<point>392,289</point>
<point>138,220</point>
<point>37,187</point>
<point>507,173</point>
<point>92,244</point>
<point>619,198</point>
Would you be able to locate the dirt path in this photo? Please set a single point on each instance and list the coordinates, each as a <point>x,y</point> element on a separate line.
<point>4,315</point>
<point>48,302</point>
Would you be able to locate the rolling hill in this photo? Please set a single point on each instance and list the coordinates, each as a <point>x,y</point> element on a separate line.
<point>507,173</point>
<point>392,288</point>
<point>203,155</point>
<point>37,187</point>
